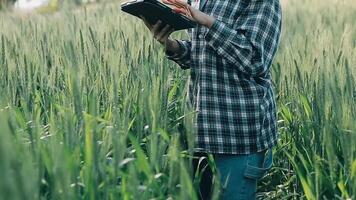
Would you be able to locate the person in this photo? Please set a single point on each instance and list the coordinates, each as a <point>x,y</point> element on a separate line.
<point>229,55</point>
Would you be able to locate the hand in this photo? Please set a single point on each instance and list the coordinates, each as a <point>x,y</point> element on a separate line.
<point>162,35</point>
<point>192,13</point>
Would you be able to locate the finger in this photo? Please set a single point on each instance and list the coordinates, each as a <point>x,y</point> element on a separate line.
<point>188,7</point>
<point>164,37</point>
<point>183,11</point>
<point>171,2</point>
<point>189,12</point>
<point>155,27</point>
<point>181,3</point>
<point>167,2</point>
<point>149,26</point>
<point>163,32</point>
<point>180,7</point>
<point>180,10</point>
<point>177,4</point>
<point>168,33</point>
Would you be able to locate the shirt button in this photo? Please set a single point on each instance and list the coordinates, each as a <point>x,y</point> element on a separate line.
<point>201,36</point>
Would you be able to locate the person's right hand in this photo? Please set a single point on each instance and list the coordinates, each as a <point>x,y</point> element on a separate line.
<point>196,15</point>
<point>162,35</point>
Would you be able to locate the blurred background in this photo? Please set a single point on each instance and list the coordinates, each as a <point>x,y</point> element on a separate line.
<point>42,5</point>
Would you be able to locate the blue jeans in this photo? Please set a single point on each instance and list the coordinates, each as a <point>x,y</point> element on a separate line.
<point>238,174</point>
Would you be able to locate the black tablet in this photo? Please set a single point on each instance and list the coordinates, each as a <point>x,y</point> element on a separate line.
<point>154,10</point>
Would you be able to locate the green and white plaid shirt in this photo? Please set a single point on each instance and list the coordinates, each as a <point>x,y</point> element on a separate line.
<point>230,82</point>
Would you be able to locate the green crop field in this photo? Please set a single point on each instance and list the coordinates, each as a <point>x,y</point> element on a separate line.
<point>91,109</point>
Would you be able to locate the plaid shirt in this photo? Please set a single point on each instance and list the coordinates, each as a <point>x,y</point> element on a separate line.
<point>230,83</point>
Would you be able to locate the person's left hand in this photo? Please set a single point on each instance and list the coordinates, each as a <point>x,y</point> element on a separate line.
<point>190,12</point>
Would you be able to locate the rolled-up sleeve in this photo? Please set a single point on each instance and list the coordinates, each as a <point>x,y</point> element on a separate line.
<point>183,57</point>
<point>251,45</point>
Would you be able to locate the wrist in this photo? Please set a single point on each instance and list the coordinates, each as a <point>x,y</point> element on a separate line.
<point>209,21</point>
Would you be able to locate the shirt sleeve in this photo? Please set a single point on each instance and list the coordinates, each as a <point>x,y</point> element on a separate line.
<point>183,57</point>
<point>251,45</point>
